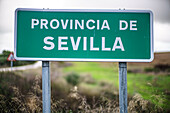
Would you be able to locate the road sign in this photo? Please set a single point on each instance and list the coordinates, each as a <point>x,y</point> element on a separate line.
<point>84,35</point>
<point>11,57</point>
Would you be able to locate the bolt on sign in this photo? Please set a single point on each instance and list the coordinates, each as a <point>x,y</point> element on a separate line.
<point>84,35</point>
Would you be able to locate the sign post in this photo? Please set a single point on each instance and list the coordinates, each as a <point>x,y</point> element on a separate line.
<point>11,64</point>
<point>84,35</point>
<point>46,87</point>
<point>123,87</point>
<point>11,58</point>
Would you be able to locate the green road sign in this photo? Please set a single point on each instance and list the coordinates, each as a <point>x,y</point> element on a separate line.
<point>84,35</point>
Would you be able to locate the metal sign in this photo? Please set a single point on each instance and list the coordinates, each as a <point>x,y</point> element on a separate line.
<point>11,57</point>
<point>84,35</point>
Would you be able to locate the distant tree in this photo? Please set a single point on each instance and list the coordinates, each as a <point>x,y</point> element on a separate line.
<point>5,63</point>
<point>6,52</point>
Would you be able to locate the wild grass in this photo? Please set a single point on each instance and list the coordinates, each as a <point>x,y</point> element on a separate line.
<point>15,99</point>
<point>31,101</point>
<point>157,93</point>
<point>90,95</point>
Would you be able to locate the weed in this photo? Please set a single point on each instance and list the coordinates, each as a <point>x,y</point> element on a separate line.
<point>73,79</point>
<point>157,98</point>
<point>138,104</point>
<point>74,101</point>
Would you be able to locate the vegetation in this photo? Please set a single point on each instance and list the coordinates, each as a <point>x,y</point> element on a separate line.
<point>88,87</point>
<point>152,88</point>
<point>73,79</point>
<point>26,96</point>
<point>158,68</point>
<point>5,63</point>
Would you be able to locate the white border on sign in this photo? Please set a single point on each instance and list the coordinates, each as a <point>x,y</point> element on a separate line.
<point>85,59</point>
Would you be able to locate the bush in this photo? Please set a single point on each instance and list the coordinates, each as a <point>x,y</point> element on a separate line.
<point>162,67</point>
<point>158,68</point>
<point>30,101</point>
<point>5,63</point>
<point>149,69</point>
<point>73,79</point>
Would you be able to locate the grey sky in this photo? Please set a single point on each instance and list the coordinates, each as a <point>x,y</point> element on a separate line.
<point>160,9</point>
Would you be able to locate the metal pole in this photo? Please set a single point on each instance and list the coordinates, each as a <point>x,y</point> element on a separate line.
<point>11,64</point>
<point>46,87</point>
<point>123,87</point>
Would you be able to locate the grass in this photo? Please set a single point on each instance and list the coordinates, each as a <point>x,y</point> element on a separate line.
<point>20,91</point>
<point>29,100</point>
<point>95,69</point>
<point>152,87</point>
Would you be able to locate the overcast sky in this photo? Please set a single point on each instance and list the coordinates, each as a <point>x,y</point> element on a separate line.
<point>160,9</point>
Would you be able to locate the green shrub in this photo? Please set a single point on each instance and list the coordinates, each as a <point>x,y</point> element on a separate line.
<point>5,63</point>
<point>73,79</point>
<point>149,69</point>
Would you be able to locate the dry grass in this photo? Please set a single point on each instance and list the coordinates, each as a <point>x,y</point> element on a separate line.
<point>138,105</point>
<point>73,103</point>
<point>31,102</point>
<point>65,99</point>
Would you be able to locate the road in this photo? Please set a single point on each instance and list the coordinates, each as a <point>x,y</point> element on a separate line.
<point>32,66</point>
